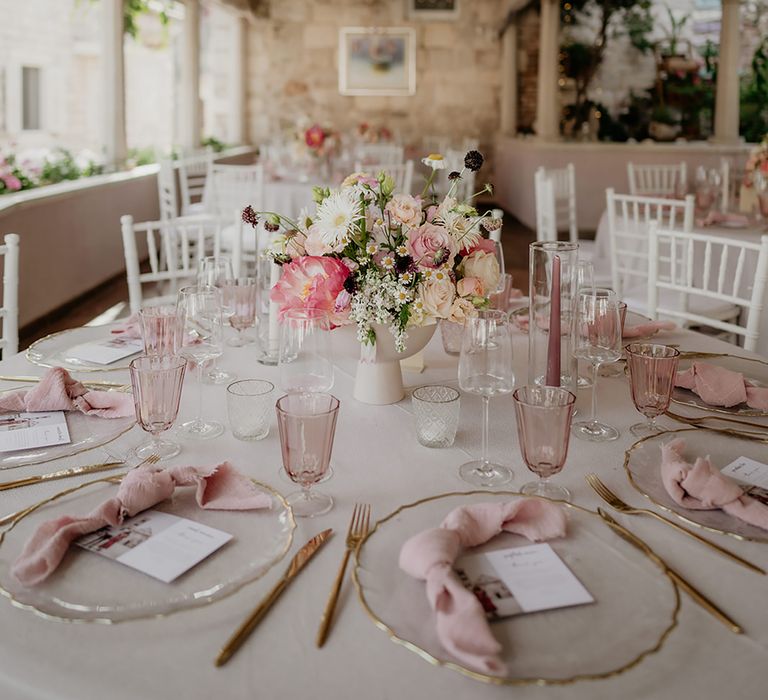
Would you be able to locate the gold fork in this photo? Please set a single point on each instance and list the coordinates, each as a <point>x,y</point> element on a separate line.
<point>617,504</point>
<point>696,421</point>
<point>358,529</point>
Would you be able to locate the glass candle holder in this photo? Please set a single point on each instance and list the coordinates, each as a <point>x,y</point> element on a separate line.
<point>451,333</point>
<point>249,407</point>
<point>437,415</point>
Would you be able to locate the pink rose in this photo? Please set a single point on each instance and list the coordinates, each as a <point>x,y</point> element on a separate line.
<point>484,244</point>
<point>484,267</point>
<point>12,183</point>
<point>431,246</point>
<point>470,287</point>
<point>405,209</point>
<point>311,282</point>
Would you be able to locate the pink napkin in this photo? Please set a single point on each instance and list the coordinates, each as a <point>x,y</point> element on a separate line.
<point>462,627</point>
<point>130,328</point>
<point>717,217</point>
<point>220,487</point>
<point>701,486</point>
<point>719,386</point>
<point>642,330</point>
<point>58,391</point>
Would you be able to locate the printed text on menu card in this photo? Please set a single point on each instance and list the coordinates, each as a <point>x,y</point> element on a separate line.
<point>27,431</point>
<point>105,352</point>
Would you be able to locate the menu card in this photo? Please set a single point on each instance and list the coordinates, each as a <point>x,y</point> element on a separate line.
<point>26,431</point>
<point>521,580</point>
<point>161,545</point>
<point>752,473</point>
<point>105,352</point>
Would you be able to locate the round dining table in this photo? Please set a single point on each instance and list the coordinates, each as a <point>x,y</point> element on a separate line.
<point>377,460</point>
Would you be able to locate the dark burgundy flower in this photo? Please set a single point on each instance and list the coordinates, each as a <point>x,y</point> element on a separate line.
<point>454,175</point>
<point>350,284</point>
<point>269,226</point>
<point>250,216</point>
<point>403,263</point>
<point>474,160</point>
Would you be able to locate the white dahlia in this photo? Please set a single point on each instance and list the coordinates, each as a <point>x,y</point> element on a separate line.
<point>336,218</point>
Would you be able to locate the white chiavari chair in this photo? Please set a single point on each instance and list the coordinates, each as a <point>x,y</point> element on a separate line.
<point>686,267</point>
<point>379,153</point>
<point>401,174</point>
<point>10,309</point>
<point>172,251</point>
<point>166,190</point>
<point>657,180</point>
<point>193,172</point>
<point>546,215</point>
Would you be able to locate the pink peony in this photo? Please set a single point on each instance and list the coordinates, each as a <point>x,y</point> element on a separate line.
<point>312,282</point>
<point>314,136</point>
<point>431,246</point>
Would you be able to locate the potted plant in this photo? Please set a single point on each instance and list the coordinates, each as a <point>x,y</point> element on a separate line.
<point>674,52</point>
<point>665,125</point>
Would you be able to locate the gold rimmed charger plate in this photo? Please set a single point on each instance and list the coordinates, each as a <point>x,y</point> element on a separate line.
<point>54,350</point>
<point>755,372</point>
<point>636,603</point>
<point>642,462</point>
<point>90,588</point>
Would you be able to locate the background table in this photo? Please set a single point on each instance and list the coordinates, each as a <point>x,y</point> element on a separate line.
<point>377,459</point>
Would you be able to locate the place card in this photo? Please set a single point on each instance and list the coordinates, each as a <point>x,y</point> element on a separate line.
<point>158,544</point>
<point>521,580</point>
<point>27,431</point>
<point>748,471</point>
<point>105,352</point>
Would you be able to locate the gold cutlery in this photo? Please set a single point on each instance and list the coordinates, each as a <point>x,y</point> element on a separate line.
<point>61,474</point>
<point>298,562</point>
<point>695,594</point>
<point>358,529</point>
<point>109,386</point>
<point>700,419</point>
<point>617,504</point>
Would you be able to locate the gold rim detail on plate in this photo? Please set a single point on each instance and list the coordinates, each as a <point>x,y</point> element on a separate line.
<point>115,479</point>
<point>667,509</point>
<point>29,352</point>
<point>497,680</point>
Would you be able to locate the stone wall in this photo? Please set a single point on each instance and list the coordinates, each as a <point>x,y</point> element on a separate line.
<point>293,70</point>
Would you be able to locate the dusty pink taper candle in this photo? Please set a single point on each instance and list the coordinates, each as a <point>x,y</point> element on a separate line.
<point>553,348</point>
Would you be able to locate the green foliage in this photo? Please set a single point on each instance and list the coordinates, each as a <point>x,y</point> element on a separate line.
<point>754,97</point>
<point>141,156</point>
<point>132,9</point>
<point>59,167</point>
<point>214,144</point>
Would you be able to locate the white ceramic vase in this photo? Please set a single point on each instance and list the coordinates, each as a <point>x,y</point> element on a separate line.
<point>378,379</point>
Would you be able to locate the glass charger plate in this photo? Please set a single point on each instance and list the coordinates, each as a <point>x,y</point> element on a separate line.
<point>54,350</point>
<point>90,588</point>
<point>635,605</point>
<point>755,372</point>
<point>85,432</point>
<point>642,462</point>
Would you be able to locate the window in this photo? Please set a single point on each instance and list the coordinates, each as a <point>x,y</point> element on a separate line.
<point>30,99</point>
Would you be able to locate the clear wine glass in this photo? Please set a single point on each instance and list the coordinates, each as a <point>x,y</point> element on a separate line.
<point>305,358</point>
<point>585,279</point>
<point>216,271</point>
<point>598,340</point>
<point>652,370</point>
<point>157,382</point>
<point>201,341</point>
<point>243,293</point>
<point>485,368</point>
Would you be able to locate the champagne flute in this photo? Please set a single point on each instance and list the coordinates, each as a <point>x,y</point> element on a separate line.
<point>485,368</point>
<point>598,340</point>
<point>243,293</point>
<point>652,370</point>
<point>216,271</point>
<point>585,279</point>
<point>201,341</point>
<point>305,351</point>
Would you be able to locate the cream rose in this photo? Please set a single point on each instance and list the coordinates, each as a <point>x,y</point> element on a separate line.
<point>470,287</point>
<point>437,296</point>
<point>405,209</point>
<point>461,310</point>
<point>484,267</point>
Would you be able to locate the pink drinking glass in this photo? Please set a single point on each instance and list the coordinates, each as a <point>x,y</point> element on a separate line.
<point>157,382</point>
<point>307,424</point>
<point>160,330</point>
<point>652,371</point>
<point>544,415</point>
<point>240,295</point>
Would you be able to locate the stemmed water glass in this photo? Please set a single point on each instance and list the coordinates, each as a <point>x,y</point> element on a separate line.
<point>216,271</point>
<point>157,382</point>
<point>585,279</point>
<point>201,341</point>
<point>652,371</point>
<point>485,368</point>
<point>544,416</point>
<point>597,334</point>
<point>242,294</point>
<point>160,329</point>
<point>305,351</point>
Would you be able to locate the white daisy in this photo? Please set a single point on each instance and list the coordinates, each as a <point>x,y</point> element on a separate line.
<point>371,249</point>
<point>402,250</point>
<point>406,277</point>
<point>336,217</point>
<point>434,161</point>
<point>388,262</point>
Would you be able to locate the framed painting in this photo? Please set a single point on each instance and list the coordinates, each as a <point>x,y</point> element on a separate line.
<point>380,61</point>
<point>433,9</point>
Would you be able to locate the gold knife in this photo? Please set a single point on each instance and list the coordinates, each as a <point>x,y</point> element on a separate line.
<point>100,384</point>
<point>697,596</point>
<point>298,562</point>
<point>61,474</point>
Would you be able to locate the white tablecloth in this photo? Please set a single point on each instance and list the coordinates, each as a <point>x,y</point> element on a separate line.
<point>377,460</point>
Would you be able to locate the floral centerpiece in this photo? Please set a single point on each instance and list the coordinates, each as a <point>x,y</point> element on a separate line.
<point>373,257</point>
<point>758,160</point>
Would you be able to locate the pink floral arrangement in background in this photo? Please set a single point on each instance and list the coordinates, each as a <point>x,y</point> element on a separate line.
<point>369,133</point>
<point>757,161</point>
<point>320,141</point>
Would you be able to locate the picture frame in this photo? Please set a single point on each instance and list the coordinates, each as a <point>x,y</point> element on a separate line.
<point>377,61</point>
<point>433,9</point>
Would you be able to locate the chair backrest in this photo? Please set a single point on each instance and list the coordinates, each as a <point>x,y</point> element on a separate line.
<point>172,251</point>
<point>657,180</point>
<point>713,267</point>
<point>232,187</point>
<point>9,342</point>
<point>379,153</point>
<point>166,190</point>
<point>193,172</point>
<point>564,185</point>
<point>725,178</point>
<point>401,174</point>
<point>629,217</point>
<point>546,215</point>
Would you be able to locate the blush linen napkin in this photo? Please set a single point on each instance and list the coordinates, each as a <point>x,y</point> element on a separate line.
<point>462,627</point>
<point>642,330</point>
<point>129,328</point>
<point>729,219</point>
<point>220,487</point>
<point>58,391</point>
<point>719,386</point>
<point>701,486</point>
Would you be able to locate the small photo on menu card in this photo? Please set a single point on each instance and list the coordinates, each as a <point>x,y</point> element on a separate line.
<point>27,431</point>
<point>105,352</point>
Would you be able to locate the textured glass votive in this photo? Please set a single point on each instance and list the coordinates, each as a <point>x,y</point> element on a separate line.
<point>451,334</point>
<point>249,406</point>
<point>437,415</point>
